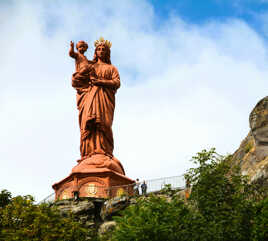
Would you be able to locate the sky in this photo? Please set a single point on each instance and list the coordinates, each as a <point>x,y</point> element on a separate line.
<point>191,72</point>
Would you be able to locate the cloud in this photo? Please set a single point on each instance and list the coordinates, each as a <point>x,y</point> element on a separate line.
<point>184,87</point>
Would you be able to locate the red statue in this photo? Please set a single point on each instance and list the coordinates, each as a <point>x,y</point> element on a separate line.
<point>81,61</point>
<point>96,83</point>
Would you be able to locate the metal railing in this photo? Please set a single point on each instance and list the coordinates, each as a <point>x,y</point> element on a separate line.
<point>153,185</point>
<point>49,199</point>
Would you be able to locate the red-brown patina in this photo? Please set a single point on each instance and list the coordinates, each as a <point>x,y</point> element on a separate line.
<point>96,83</point>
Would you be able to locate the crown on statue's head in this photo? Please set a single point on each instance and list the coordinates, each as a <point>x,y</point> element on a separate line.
<point>101,41</point>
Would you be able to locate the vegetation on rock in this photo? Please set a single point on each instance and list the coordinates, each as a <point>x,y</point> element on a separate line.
<point>222,206</point>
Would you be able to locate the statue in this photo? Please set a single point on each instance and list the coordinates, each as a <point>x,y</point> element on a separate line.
<point>96,83</point>
<point>98,173</point>
<point>82,65</point>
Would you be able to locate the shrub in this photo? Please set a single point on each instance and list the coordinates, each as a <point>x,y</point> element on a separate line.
<point>222,196</point>
<point>153,218</point>
<point>5,198</point>
<point>260,222</point>
<point>22,220</point>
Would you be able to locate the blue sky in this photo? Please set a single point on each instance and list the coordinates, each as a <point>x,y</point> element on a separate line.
<point>200,11</point>
<point>190,75</point>
<point>203,11</point>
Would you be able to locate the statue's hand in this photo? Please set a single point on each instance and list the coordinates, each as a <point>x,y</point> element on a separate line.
<point>96,82</point>
<point>92,74</point>
<point>72,44</point>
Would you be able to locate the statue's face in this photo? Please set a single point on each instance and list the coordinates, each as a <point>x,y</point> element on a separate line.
<point>101,51</point>
<point>82,48</point>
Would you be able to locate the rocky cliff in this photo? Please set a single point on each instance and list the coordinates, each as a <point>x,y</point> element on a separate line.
<point>252,155</point>
<point>94,213</point>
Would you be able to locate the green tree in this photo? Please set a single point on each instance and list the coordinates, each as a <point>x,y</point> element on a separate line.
<point>23,220</point>
<point>151,218</point>
<point>221,207</point>
<point>222,196</point>
<point>5,198</point>
<point>260,222</point>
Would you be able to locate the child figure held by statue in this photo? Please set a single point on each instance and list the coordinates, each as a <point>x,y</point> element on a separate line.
<point>83,67</point>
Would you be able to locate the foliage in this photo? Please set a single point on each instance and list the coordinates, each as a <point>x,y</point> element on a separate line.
<point>151,218</point>
<point>22,220</point>
<point>260,222</point>
<point>168,190</point>
<point>222,196</point>
<point>221,207</point>
<point>5,198</point>
<point>248,147</point>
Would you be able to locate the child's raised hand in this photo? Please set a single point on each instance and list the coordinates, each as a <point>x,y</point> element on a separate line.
<point>72,44</point>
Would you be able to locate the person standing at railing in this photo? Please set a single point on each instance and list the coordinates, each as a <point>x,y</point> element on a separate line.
<point>143,188</point>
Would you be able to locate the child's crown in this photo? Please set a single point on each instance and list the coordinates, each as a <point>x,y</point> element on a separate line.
<point>101,41</point>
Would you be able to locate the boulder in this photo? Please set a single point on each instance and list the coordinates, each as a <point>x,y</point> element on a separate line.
<point>106,227</point>
<point>83,211</point>
<point>252,155</point>
<point>112,206</point>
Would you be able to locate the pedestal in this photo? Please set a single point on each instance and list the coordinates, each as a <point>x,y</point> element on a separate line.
<point>96,177</point>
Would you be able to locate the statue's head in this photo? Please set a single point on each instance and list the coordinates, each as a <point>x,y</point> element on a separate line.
<point>82,46</point>
<point>102,50</point>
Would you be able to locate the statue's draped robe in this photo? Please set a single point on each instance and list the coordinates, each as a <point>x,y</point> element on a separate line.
<point>96,110</point>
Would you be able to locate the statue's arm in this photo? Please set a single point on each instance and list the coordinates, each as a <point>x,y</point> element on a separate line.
<point>115,78</point>
<point>71,51</point>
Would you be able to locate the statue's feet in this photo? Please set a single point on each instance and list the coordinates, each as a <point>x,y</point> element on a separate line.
<point>99,160</point>
<point>99,151</point>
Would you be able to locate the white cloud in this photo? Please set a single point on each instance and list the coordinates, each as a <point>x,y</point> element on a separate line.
<point>184,87</point>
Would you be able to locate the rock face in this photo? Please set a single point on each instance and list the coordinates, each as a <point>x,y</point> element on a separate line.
<point>84,211</point>
<point>97,214</point>
<point>94,213</point>
<point>112,207</point>
<point>252,155</point>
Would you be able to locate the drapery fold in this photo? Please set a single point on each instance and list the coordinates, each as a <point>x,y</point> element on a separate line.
<point>96,105</point>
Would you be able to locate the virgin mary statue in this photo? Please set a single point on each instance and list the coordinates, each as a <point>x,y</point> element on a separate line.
<point>96,89</point>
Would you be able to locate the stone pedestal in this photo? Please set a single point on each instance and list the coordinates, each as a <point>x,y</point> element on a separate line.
<point>98,176</point>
